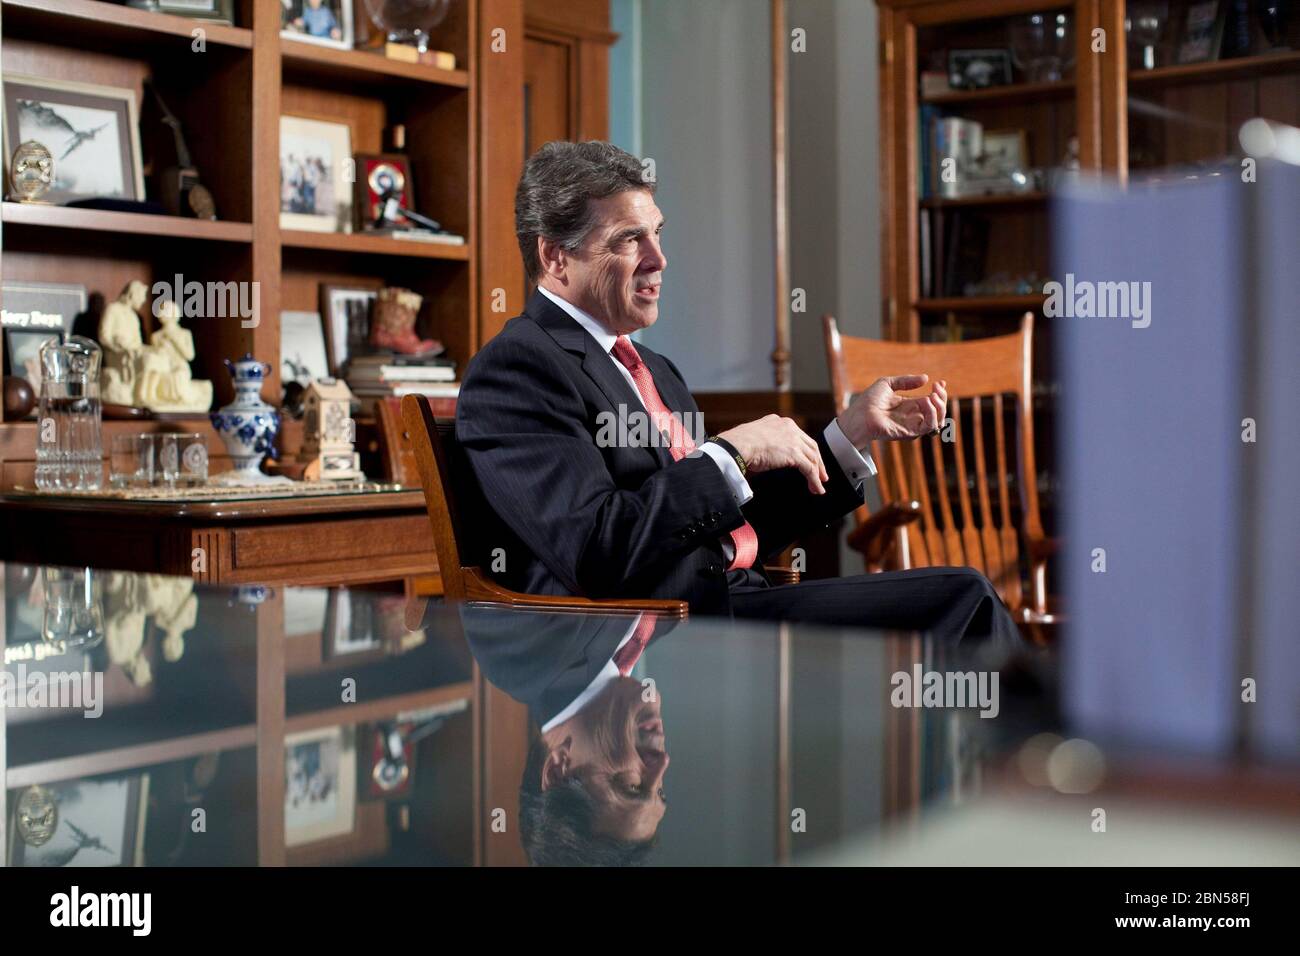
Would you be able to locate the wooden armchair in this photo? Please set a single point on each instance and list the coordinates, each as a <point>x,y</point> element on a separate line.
<point>456,506</point>
<point>916,526</point>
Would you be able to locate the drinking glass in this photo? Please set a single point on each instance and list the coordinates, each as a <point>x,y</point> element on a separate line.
<point>131,461</point>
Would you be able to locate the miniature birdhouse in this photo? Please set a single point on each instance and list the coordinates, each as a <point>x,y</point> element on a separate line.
<point>329,433</point>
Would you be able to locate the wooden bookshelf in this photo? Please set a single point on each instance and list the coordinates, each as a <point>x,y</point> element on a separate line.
<point>229,98</point>
<point>1127,120</point>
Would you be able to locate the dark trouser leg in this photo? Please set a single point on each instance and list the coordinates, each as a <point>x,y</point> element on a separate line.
<point>950,603</point>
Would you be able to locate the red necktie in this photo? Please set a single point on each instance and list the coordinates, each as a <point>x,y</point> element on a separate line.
<point>744,538</point>
<point>625,657</point>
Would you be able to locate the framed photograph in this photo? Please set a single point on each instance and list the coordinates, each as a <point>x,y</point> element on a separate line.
<point>1006,149</point>
<point>315,170</point>
<point>218,11</point>
<point>97,822</point>
<point>327,22</point>
<point>91,131</point>
<point>977,69</point>
<point>32,313</point>
<point>346,312</point>
<point>303,357</point>
<point>349,626</point>
<point>380,179</point>
<point>1202,33</point>
<point>320,784</point>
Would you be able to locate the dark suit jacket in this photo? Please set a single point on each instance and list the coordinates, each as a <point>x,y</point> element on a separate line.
<point>544,659</point>
<point>577,518</point>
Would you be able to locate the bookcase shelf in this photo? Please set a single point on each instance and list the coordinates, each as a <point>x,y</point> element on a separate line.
<point>307,60</point>
<point>1264,64</point>
<point>358,242</point>
<point>94,24</point>
<point>38,216</point>
<point>229,100</point>
<point>1010,92</point>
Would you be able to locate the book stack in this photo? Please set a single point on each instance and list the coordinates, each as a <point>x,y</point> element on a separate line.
<point>389,375</point>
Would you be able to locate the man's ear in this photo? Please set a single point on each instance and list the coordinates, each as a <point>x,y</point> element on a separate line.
<point>552,257</point>
<point>556,768</point>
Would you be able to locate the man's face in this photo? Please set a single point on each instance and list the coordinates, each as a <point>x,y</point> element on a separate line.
<point>615,275</point>
<point>616,746</point>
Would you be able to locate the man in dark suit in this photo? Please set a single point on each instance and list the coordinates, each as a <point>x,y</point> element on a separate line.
<point>589,450</point>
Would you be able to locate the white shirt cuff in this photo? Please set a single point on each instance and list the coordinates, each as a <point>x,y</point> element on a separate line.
<point>730,470</point>
<point>857,467</point>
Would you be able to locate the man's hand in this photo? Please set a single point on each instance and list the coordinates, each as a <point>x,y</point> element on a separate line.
<point>880,413</point>
<point>774,442</point>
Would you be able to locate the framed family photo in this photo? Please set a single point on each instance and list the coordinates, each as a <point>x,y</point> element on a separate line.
<point>320,784</point>
<point>91,131</point>
<point>345,310</point>
<point>326,22</point>
<point>315,174</point>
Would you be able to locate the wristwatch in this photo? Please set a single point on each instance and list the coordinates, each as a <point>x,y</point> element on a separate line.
<point>730,449</point>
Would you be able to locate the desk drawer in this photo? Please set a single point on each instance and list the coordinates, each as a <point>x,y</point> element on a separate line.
<point>319,542</point>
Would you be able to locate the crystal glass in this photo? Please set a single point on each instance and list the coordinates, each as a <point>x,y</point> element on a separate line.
<point>69,448</point>
<point>1042,45</point>
<point>192,452</point>
<point>131,461</point>
<point>408,21</point>
<point>74,608</point>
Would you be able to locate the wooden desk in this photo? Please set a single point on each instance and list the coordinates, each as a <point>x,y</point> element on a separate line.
<point>321,540</point>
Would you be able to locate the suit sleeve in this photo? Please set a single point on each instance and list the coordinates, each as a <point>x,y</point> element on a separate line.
<point>523,426</point>
<point>783,508</point>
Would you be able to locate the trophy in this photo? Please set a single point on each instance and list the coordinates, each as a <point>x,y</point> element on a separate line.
<point>182,192</point>
<point>406,25</point>
<point>31,172</point>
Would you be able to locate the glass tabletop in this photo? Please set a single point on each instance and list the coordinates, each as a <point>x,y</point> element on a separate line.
<point>152,721</point>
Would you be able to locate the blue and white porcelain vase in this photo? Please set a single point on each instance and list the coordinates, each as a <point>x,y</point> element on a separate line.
<point>247,425</point>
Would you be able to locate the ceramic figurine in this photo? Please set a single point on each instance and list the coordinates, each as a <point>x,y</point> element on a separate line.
<point>329,432</point>
<point>119,336</point>
<point>163,381</point>
<point>248,426</point>
<point>393,325</point>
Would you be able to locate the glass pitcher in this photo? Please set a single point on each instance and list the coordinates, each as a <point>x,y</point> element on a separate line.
<point>69,449</point>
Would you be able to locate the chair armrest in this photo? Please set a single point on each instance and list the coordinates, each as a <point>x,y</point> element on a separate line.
<point>781,574</point>
<point>482,589</point>
<point>872,537</point>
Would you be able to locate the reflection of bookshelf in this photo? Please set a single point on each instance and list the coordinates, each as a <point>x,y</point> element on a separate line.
<point>229,99</point>
<point>1127,119</point>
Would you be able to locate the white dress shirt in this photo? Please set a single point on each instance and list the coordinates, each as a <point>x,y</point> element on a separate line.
<point>857,465</point>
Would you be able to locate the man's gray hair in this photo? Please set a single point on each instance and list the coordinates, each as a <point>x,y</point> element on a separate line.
<point>554,193</point>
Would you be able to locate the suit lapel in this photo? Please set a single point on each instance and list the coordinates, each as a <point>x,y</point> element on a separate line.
<point>596,363</point>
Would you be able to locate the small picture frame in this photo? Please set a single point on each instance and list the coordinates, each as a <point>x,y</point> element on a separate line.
<point>325,22</point>
<point>315,173</point>
<point>32,313</point>
<point>382,179</point>
<point>1202,33</point>
<point>978,69</point>
<point>1006,150</point>
<point>99,822</point>
<point>217,11</point>
<point>92,132</point>
<point>345,311</point>
<point>320,785</point>
<point>303,357</point>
